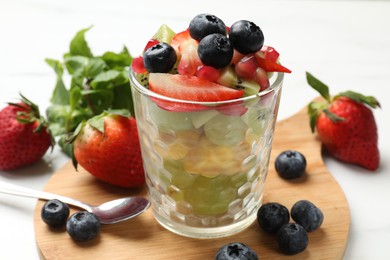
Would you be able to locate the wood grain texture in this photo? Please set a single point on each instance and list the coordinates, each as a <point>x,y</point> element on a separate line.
<point>144,238</point>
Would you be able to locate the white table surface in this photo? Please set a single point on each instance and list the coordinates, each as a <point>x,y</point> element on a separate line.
<point>346,44</point>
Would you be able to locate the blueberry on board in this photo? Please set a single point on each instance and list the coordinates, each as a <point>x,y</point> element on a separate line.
<point>272,216</point>
<point>307,214</point>
<point>246,37</point>
<point>55,213</point>
<point>290,164</point>
<point>236,251</point>
<point>292,238</point>
<point>83,226</point>
<point>160,58</point>
<point>205,24</point>
<point>215,50</point>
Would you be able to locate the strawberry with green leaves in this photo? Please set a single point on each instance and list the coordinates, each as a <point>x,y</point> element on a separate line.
<point>24,135</point>
<point>346,125</point>
<point>107,146</point>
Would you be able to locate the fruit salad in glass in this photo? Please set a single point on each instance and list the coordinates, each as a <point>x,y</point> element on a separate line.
<point>206,101</point>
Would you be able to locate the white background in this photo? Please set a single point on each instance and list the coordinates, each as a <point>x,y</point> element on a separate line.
<point>346,44</point>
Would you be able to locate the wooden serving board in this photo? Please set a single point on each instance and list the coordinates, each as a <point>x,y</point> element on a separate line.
<point>143,238</point>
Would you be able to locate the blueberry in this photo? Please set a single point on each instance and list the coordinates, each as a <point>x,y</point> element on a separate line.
<point>160,58</point>
<point>290,164</point>
<point>55,213</point>
<point>205,24</point>
<point>292,238</point>
<point>246,37</point>
<point>272,216</point>
<point>215,50</point>
<point>236,251</point>
<point>307,214</point>
<point>83,226</point>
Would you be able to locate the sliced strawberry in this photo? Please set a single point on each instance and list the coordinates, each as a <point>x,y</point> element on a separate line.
<point>269,53</point>
<point>138,65</point>
<point>189,88</point>
<point>151,43</point>
<point>270,66</point>
<point>187,49</point>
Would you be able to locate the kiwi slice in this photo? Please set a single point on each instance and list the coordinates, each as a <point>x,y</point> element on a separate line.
<point>229,79</point>
<point>164,34</point>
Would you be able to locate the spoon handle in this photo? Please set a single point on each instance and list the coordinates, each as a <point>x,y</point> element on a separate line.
<point>12,189</point>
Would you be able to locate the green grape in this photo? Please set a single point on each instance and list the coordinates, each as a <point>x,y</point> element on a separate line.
<point>257,119</point>
<point>225,130</point>
<point>210,196</point>
<point>168,121</point>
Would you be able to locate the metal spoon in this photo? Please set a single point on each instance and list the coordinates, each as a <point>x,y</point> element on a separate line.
<point>109,212</point>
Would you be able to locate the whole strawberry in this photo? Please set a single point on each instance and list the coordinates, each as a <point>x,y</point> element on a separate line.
<point>346,125</point>
<point>107,146</point>
<point>24,135</point>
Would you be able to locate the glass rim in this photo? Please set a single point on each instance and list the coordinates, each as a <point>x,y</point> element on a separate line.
<point>276,85</point>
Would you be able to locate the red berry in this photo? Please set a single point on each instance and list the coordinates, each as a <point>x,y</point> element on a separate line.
<point>151,43</point>
<point>138,65</point>
<point>246,67</point>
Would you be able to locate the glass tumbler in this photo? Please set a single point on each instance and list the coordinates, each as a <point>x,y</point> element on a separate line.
<point>206,162</point>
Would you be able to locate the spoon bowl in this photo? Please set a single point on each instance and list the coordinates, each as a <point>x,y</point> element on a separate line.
<point>110,212</point>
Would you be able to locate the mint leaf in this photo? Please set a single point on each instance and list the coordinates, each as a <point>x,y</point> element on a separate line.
<point>117,61</point>
<point>75,63</point>
<point>79,46</point>
<point>109,79</point>
<point>318,85</point>
<point>123,98</point>
<point>60,94</point>
<point>94,67</point>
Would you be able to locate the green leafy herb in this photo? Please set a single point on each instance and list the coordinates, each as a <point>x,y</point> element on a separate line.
<point>96,84</point>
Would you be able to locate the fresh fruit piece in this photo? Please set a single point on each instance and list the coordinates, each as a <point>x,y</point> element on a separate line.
<point>246,37</point>
<point>261,77</point>
<point>269,65</point>
<point>292,238</point>
<point>55,213</point>
<point>24,135</point>
<point>202,117</point>
<point>83,226</point>
<point>272,216</point>
<point>236,251</point>
<point>269,53</point>
<point>151,43</point>
<point>346,125</point>
<point>209,73</point>
<point>246,67</point>
<point>215,50</point>
<point>160,58</point>
<point>307,215</point>
<point>188,88</point>
<point>290,164</point>
<point>107,146</point>
<point>205,24</point>
<point>225,130</point>
<point>138,65</point>
<point>164,34</point>
<point>237,56</point>
<point>229,78</point>
<point>168,121</point>
<point>187,51</point>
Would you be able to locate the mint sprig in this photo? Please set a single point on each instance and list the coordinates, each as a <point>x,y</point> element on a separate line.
<point>95,83</point>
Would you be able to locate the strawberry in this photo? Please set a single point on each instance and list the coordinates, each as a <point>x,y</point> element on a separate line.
<point>188,88</point>
<point>24,135</point>
<point>107,146</point>
<point>346,125</point>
